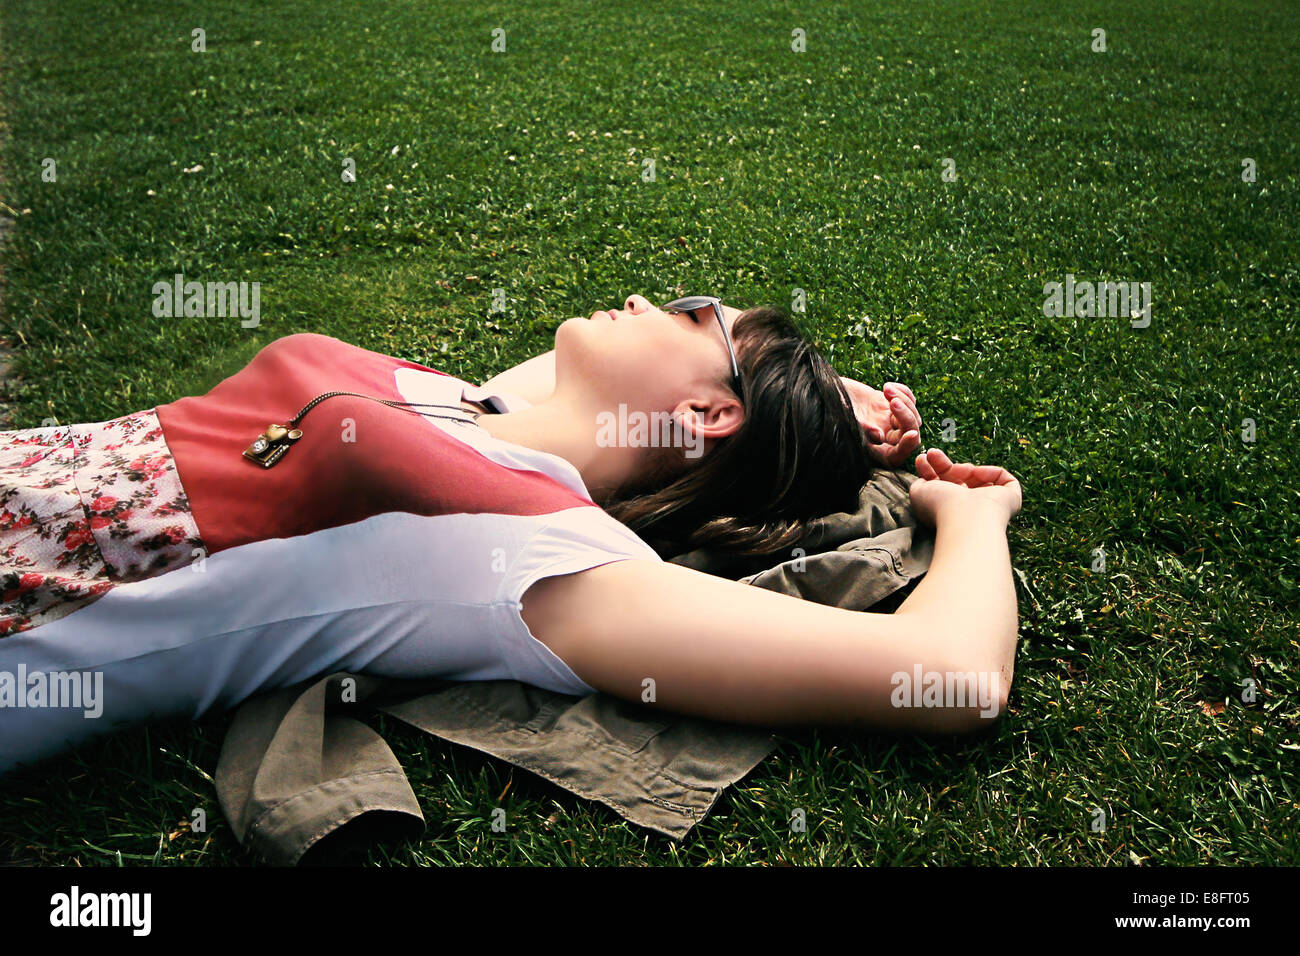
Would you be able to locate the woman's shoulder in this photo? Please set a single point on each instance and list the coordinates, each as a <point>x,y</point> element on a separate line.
<point>315,343</point>
<point>305,340</point>
<point>315,353</point>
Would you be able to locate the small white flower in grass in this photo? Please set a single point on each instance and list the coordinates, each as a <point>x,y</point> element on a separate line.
<point>389,186</point>
<point>150,192</point>
<point>194,169</point>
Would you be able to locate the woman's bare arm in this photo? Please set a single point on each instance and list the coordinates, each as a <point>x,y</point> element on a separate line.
<point>970,574</point>
<point>729,651</point>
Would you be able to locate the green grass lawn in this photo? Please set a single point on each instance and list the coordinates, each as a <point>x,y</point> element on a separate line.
<point>774,171</point>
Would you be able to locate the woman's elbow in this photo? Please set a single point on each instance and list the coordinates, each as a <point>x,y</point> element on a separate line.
<point>972,696</point>
<point>988,672</point>
<point>993,693</point>
<point>978,719</point>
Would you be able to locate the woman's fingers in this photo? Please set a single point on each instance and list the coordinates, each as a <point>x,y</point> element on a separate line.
<point>896,455</point>
<point>986,475</point>
<point>900,387</point>
<point>938,461</point>
<point>905,415</point>
<point>935,464</point>
<point>958,473</point>
<point>902,406</point>
<point>909,443</point>
<point>924,468</point>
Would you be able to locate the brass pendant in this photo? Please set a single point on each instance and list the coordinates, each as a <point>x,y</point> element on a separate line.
<point>272,445</point>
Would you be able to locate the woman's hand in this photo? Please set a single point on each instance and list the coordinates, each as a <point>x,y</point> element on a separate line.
<point>889,420</point>
<point>945,484</point>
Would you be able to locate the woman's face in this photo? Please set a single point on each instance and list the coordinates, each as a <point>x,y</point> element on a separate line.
<point>645,357</point>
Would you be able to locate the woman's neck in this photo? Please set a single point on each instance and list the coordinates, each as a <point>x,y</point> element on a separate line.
<point>561,427</point>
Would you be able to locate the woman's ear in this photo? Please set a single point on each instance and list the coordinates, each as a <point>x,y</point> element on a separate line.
<point>710,418</point>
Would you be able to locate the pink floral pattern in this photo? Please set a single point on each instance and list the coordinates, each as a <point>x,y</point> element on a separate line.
<point>84,508</point>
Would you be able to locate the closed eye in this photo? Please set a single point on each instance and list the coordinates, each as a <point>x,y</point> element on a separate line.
<point>693,317</point>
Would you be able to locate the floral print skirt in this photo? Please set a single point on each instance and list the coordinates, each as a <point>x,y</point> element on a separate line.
<point>84,508</point>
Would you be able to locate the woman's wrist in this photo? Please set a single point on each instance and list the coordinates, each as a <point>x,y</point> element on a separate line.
<point>971,508</point>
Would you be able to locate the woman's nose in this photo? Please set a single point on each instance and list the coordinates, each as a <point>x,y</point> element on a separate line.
<point>636,303</point>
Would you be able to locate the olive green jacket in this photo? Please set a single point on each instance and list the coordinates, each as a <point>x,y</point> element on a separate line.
<point>299,763</point>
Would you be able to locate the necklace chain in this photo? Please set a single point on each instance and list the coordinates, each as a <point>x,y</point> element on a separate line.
<point>293,422</point>
<point>274,443</point>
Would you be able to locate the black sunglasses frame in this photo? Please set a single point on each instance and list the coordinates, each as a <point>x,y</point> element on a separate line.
<point>691,303</point>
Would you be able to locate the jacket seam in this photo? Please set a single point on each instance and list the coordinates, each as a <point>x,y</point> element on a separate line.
<point>623,751</point>
<point>524,761</point>
<point>893,557</point>
<point>257,821</point>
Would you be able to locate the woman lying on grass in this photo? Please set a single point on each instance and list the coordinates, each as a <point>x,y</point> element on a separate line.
<point>299,520</point>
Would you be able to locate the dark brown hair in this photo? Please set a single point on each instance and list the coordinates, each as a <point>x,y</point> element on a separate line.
<point>799,454</point>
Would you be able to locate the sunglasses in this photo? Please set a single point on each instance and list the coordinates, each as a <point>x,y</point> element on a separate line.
<point>692,302</point>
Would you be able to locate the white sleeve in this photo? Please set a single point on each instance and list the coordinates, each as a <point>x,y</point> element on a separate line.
<point>574,540</point>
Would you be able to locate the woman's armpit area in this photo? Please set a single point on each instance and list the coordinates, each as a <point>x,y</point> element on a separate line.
<point>548,607</point>
<point>587,619</point>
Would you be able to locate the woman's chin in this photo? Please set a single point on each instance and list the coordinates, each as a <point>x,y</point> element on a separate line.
<point>575,347</point>
<point>567,329</point>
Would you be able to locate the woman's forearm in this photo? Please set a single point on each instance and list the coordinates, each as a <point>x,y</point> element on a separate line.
<point>968,592</point>
<point>533,380</point>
